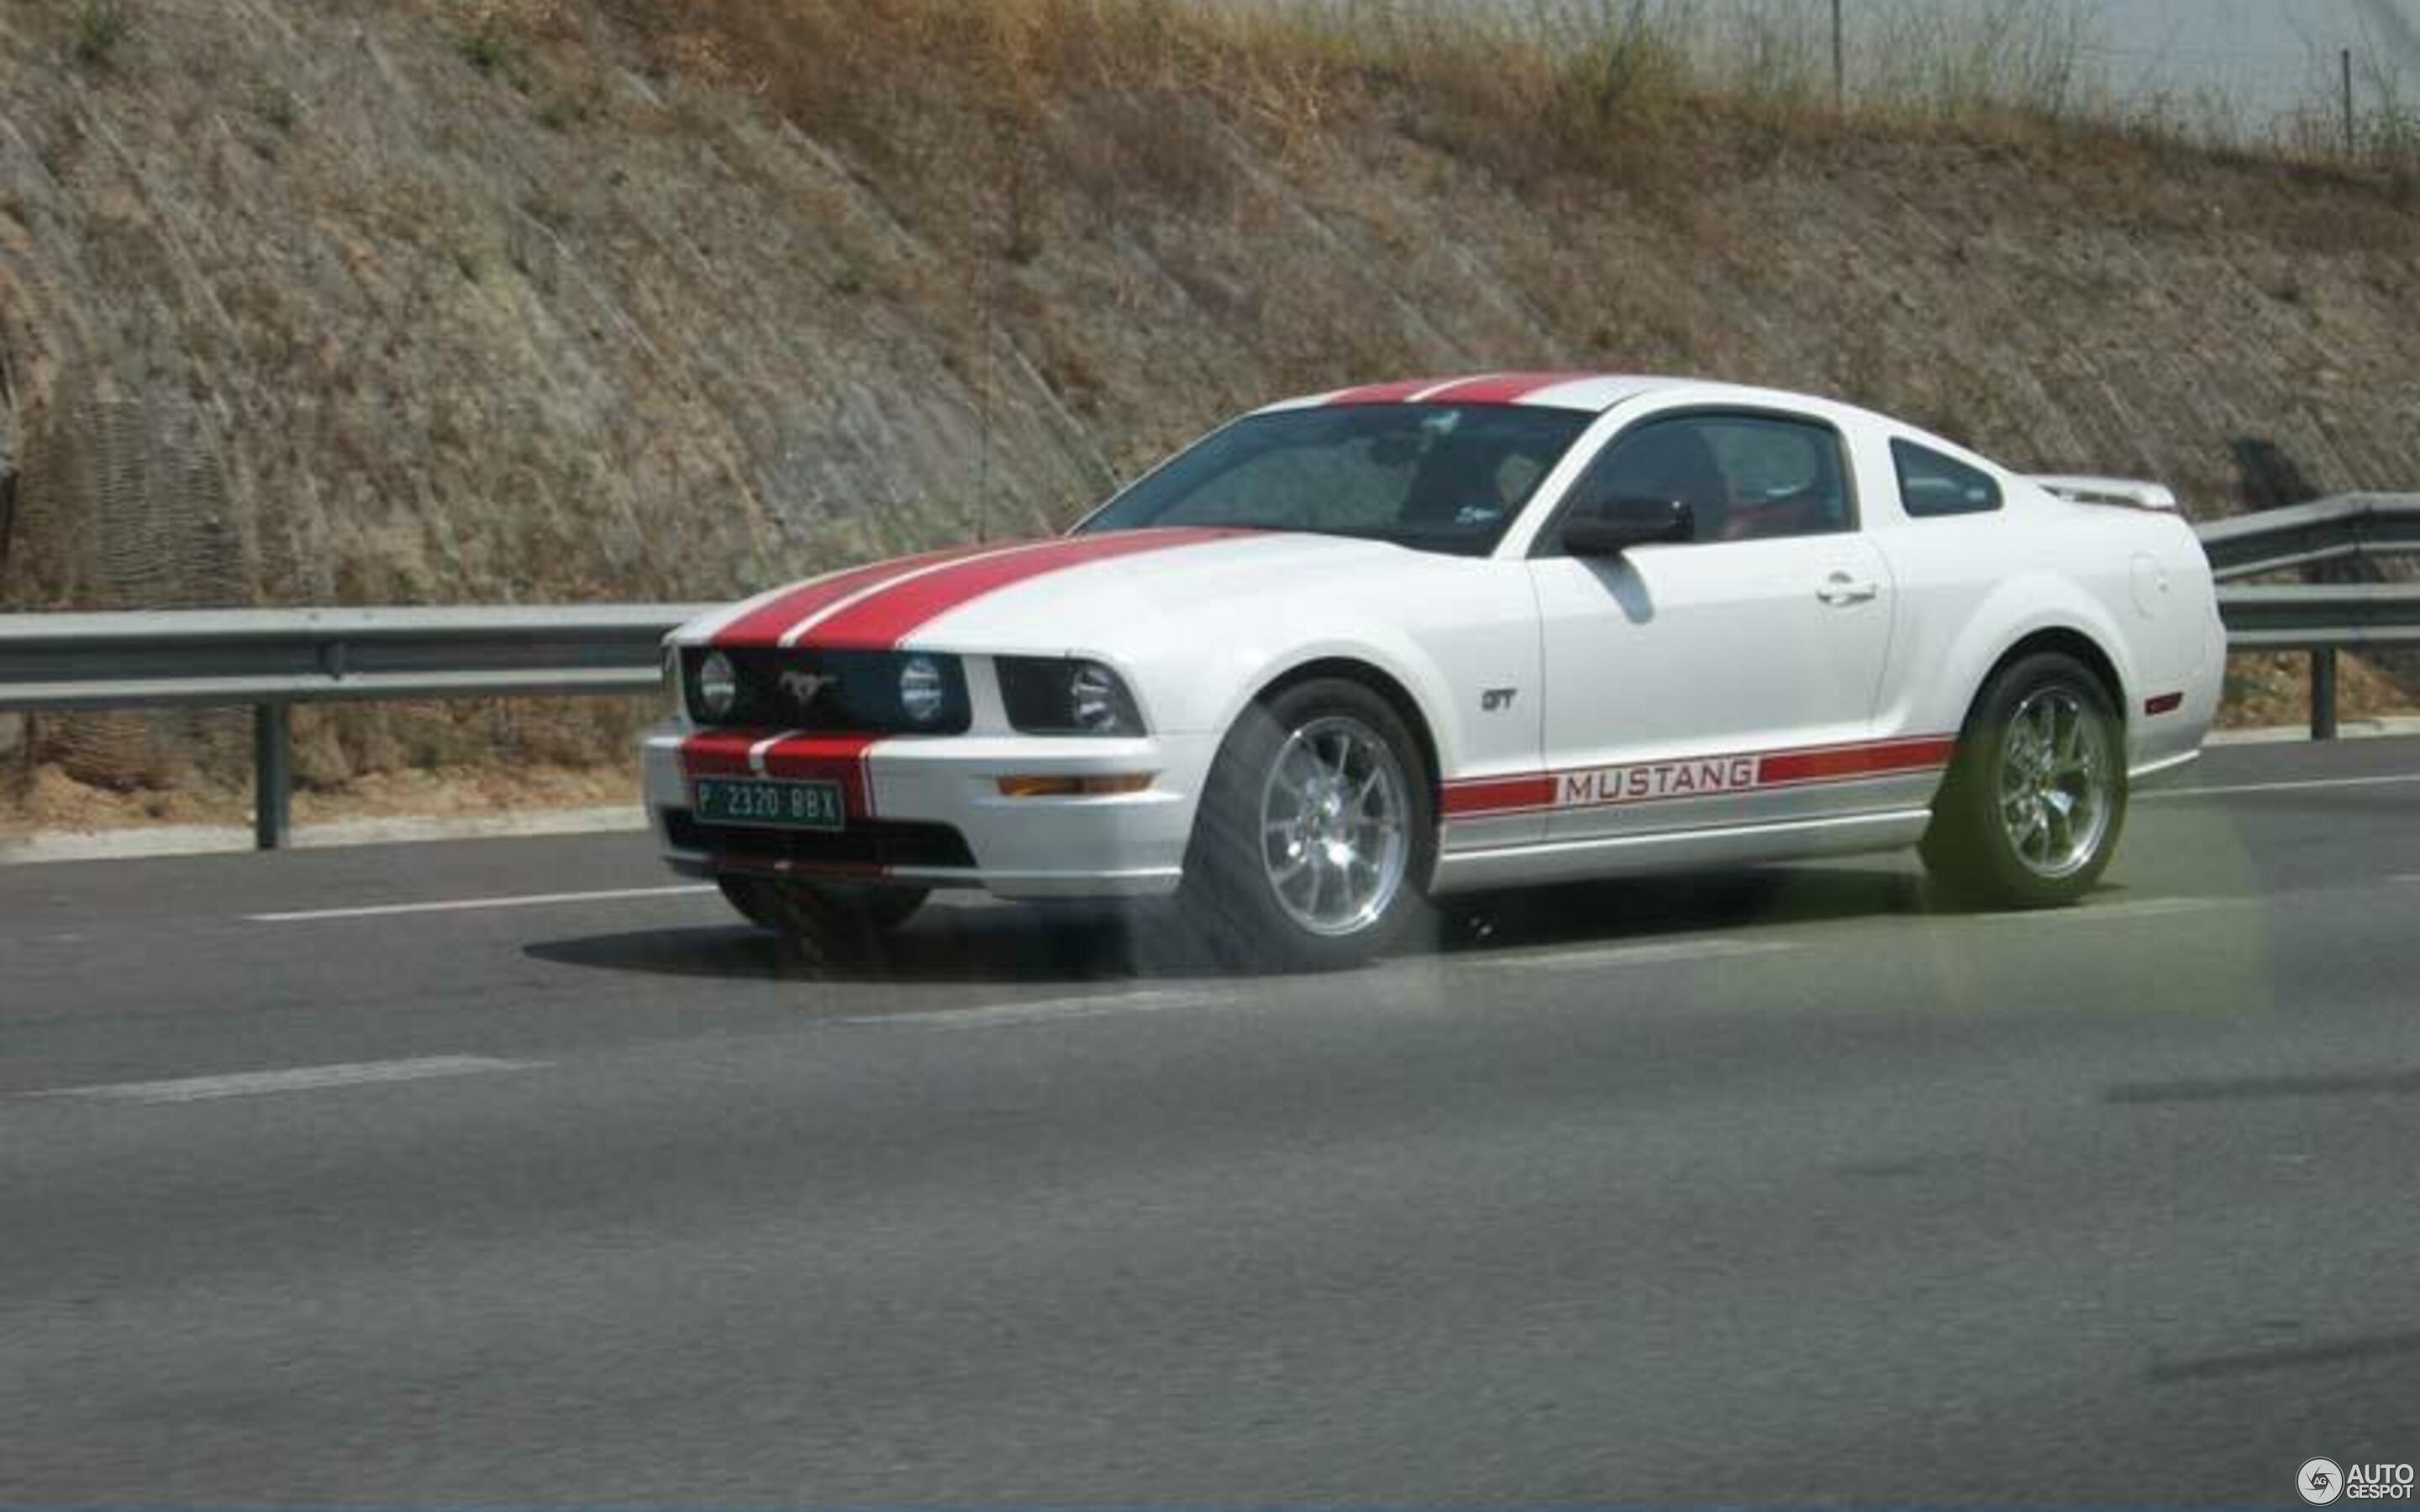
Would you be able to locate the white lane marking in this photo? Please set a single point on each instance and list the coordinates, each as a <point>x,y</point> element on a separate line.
<point>298,1079</point>
<point>1052,1010</point>
<point>2171,794</point>
<point>1641,955</point>
<point>2132,908</point>
<point>463,906</point>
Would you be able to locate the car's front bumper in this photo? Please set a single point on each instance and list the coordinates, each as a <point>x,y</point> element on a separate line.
<point>931,813</point>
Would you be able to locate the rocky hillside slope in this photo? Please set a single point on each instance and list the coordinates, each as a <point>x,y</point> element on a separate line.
<point>426,301</point>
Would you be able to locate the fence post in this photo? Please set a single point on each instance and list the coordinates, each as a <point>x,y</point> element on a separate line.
<point>2345,58</point>
<point>1839,61</point>
<point>272,776</point>
<point>2323,693</point>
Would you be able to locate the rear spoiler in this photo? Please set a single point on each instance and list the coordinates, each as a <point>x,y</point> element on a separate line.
<point>2124,492</point>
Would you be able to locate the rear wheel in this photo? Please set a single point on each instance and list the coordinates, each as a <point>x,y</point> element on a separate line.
<point>1317,832</point>
<point>2036,798</point>
<point>823,921</point>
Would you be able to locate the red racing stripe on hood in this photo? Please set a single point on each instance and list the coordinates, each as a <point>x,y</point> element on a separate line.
<point>888,616</point>
<point>763,625</point>
<point>1498,388</point>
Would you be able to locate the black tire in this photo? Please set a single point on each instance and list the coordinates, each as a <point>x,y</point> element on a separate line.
<point>1999,837</point>
<point>1229,896</point>
<point>823,923</point>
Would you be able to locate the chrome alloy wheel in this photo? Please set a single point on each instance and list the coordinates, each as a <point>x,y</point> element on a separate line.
<point>2056,796</point>
<point>1332,826</point>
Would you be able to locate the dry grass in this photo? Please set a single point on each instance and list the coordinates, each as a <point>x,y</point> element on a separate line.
<point>482,301</point>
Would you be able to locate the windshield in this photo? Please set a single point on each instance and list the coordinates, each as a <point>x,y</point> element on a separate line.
<point>1437,477</point>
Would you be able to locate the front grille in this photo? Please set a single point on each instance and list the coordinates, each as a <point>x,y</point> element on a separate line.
<point>884,842</point>
<point>834,692</point>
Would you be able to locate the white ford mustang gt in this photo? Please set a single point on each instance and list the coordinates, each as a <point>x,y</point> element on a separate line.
<point>1354,651</point>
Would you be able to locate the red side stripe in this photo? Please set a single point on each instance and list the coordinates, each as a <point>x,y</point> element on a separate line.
<point>764,627</point>
<point>885,618</point>
<point>1463,800</point>
<point>1500,387</point>
<point>1854,760</point>
<point>1395,392</point>
<point>1499,796</point>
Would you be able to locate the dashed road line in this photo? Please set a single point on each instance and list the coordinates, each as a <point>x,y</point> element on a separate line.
<point>1656,953</point>
<point>464,905</point>
<point>1050,1010</point>
<point>2112,913</point>
<point>293,1079</point>
<point>2297,785</point>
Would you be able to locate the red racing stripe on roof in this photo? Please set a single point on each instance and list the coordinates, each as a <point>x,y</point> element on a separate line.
<point>762,626</point>
<point>888,616</point>
<point>1499,388</point>
<point>1395,392</point>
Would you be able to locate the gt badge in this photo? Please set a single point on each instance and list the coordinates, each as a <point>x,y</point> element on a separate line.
<point>1497,700</point>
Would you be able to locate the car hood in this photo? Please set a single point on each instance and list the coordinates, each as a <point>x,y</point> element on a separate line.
<point>1085,594</point>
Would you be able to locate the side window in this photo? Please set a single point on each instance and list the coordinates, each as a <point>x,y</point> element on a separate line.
<point>1744,477</point>
<point>1931,485</point>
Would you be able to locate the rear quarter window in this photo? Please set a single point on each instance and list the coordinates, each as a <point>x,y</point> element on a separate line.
<point>1931,486</point>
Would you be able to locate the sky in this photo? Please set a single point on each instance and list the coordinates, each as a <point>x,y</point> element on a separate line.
<point>2271,54</point>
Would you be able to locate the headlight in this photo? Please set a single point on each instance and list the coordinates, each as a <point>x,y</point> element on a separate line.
<point>1046,696</point>
<point>1093,696</point>
<point>922,691</point>
<point>718,686</point>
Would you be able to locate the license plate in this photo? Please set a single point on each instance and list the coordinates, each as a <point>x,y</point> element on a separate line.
<point>781,805</point>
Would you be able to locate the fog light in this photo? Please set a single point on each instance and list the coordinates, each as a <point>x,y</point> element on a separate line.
<point>718,686</point>
<point>922,692</point>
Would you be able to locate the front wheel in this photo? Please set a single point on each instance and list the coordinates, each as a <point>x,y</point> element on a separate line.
<point>2030,813</point>
<point>1317,832</point>
<point>819,922</point>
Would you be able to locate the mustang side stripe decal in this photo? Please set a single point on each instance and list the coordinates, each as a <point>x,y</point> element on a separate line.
<point>1694,778</point>
<point>881,621</point>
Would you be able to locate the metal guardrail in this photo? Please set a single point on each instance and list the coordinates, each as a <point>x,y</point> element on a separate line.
<point>272,660</point>
<point>2304,535</point>
<point>2318,617</point>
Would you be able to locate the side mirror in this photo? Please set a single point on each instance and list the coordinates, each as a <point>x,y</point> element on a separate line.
<point>1630,522</point>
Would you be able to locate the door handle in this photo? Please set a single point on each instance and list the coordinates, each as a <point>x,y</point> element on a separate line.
<point>1840,588</point>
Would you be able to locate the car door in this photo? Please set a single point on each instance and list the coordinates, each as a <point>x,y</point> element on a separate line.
<point>1727,678</point>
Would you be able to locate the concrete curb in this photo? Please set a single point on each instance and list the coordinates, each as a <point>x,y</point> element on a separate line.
<point>207,839</point>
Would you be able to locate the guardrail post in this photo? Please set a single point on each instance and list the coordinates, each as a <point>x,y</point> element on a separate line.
<point>272,776</point>
<point>2323,693</point>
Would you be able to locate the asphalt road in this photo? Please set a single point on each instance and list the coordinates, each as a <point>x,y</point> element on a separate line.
<point>1770,1188</point>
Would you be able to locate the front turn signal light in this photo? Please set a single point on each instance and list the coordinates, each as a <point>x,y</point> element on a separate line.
<point>1075,787</point>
